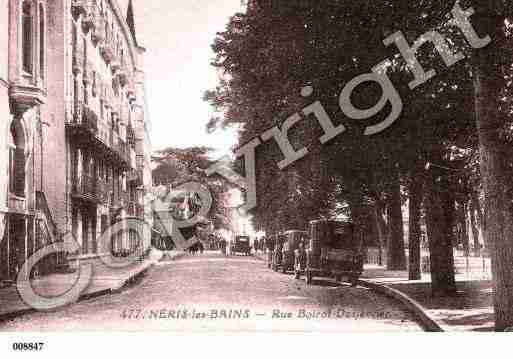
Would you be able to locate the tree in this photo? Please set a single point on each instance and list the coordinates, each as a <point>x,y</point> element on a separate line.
<point>176,166</point>
<point>492,66</point>
<point>270,53</point>
<point>415,188</point>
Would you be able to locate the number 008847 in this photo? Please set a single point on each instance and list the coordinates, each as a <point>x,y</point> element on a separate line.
<point>27,346</point>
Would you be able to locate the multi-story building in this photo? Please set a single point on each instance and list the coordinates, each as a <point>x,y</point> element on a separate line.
<point>73,147</point>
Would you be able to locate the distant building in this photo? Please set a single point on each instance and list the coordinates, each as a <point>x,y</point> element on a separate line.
<point>74,145</point>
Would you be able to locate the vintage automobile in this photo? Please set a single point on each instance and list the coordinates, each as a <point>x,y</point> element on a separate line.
<point>293,240</point>
<point>240,245</point>
<point>334,251</point>
<point>277,253</point>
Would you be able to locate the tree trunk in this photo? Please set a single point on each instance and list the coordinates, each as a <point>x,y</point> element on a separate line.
<point>495,159</point>
<point>380,225</point>
<point>480,216</point>
<point>396,257</point>
<point>415,197</point>
<point>462,219</point>
<point>357,211</point>
<point>475,230</point>
<point>440,242</point>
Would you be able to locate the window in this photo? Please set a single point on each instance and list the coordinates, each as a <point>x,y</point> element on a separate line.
<point>27,36</point>
<point>85,233</point>
<point>74,168</point>
<point>41,42</point>
<point>17,160</point>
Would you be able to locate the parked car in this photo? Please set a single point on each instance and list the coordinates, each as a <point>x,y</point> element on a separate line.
<point>334,251</point>
<point>240,245</point>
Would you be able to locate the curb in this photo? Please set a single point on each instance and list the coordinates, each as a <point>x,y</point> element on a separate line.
<point>172,259</point>
<point>427,322</point>
<point>117,288</point>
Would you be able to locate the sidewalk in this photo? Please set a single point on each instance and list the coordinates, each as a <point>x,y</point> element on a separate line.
<point>173,255</point>
<point>105,280</point>
<point>470,310</point>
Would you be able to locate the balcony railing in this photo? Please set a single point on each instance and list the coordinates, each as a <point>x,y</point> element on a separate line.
<point>102,189</point>
<point>108,48</point>
<point>122,75</point>
<point>130,91</point>
<point>85,118</point>
<point>115,65</point>
<point>90,17</point>
<point>121,150</point>
<point>85,188</point>
<point>136,176</point>
<point>98,34</point>
<point>135,210</point>
<point>78,7</point>
<point>78,112</point>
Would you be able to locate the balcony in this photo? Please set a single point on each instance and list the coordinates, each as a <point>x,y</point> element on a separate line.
<point>98,34</point>
<point>88,129</point>
<point>85,121</point>
<point>78,59</point>
<point>115,65</point>
<point>117,202</point>
<point>17,204</point>
<point>78,7</point>
<point>102,188</point>
<point>122,75</point>
<point>134,209</point>
<point>89,19</point>
<point>108,48</point>
<point>135,176</point>
<point>85,188</point>
<point>25,96</point>
<point>121,150</point>
<point>130,92</point>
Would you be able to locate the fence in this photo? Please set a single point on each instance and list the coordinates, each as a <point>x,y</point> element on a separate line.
<point>470,265</point>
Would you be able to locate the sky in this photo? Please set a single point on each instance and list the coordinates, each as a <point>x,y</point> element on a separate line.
<point>177,35</point>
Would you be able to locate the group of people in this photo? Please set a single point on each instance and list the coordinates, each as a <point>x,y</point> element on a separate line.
<point>197,247</point>
<point>259,245</point>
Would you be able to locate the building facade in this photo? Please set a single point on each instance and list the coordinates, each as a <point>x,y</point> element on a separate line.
<point>73,129</point>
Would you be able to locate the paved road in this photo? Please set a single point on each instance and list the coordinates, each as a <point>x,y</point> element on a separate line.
<point>211,292</point>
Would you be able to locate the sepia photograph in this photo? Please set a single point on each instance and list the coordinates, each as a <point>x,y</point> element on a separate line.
<point>255,166</point>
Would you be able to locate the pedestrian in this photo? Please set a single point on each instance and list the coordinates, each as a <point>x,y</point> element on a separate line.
<point>255,246</point>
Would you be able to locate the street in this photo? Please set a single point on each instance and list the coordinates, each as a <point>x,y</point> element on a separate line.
<point>211,292</point>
